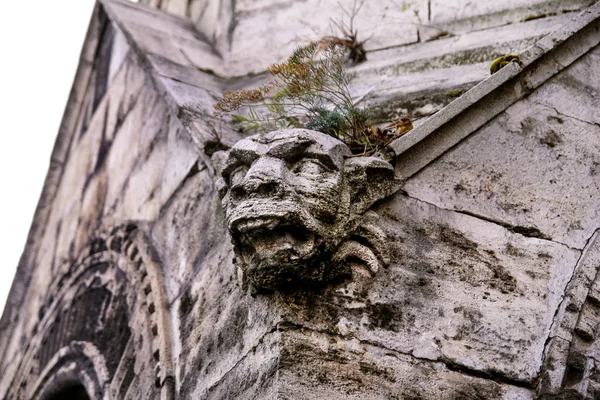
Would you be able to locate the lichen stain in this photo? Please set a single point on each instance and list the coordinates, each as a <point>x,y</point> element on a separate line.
<point>456,239</point>
<point>551,139</point>
<point>385,316</point>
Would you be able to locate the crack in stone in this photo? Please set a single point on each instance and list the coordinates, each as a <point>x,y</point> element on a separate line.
<point>507,226</point>
<point>566,115</point>
<point>451,365</point>
<point>554,318</point>
<point>561,338</point>
<point>251,350</point>
<point>195,169</point>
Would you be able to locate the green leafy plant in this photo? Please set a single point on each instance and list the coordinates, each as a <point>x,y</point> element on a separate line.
<point>309,90</point>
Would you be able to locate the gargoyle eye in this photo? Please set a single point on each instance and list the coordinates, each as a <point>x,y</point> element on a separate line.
<point>238,175</point>
<point>310,167</point>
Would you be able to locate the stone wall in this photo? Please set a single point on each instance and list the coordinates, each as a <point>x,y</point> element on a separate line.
<point>421,54</point>
<point>128,284</point>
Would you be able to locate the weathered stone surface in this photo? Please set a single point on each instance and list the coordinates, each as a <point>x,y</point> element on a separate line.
<point>469,48</point>
<point>414,78</point>
<point>550,141</point>
<point>185,73</point>
<point>185,251</point>
<point>218,327</point>
<point>458,290</point>
<point>180,164</point>
<point>320,366</point>
<point>514,284</point>
<point>449,288</point>
<point>461,15</point>
<point>168,24</point>
<point>255,376</point>
<point>455,16</point>
<point>288,28</point>
<point>493,96</point>
<point>572,346</point>
<point>189,97</point>
<point>175,39</point>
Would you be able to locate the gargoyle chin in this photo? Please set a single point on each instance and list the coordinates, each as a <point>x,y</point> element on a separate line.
<point>296,207</point>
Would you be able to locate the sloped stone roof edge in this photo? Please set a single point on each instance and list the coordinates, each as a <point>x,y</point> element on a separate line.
<point>141,54</point>
<point>154,75</point>
<point>483,102</point>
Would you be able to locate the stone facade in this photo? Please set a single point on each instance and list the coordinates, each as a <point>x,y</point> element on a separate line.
<point>173,257</point>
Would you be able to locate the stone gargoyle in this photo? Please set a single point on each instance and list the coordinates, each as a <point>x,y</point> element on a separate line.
<point>296,204</point>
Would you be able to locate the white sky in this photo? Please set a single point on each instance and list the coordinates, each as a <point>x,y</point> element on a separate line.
<point>40,42</point>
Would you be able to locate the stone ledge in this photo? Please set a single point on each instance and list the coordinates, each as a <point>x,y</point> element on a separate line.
<point>463,116</point>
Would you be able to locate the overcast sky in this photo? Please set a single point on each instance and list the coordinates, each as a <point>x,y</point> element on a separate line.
<point>40,41</point>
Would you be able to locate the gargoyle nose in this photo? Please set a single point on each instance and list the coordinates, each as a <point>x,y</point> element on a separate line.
<point>265,178</point>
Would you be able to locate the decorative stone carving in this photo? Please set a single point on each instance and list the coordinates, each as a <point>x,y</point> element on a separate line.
<point>571,368</point>
<point>295,202</point>
<point>86,333</point>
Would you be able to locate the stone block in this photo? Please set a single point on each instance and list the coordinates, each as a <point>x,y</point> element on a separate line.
<point>316,365</point>
<point>582,288</point>
<point>382,25</point>
<point>175,7</point>
<point>156,42</point>
<point>123,92</point>
<point>93,200</point>
<point>182,160</point>
<point>140,198</point>
<point>467,48</point>
<point>191,98</point>
<point>214,19</point>
<point>167,23</point>
<point>195,203</point>
<point>485,174</point>
<point>127,147</point>
<point>217,326</point>
<point>255,376</point>
<point>119,52</point>
<point>459,16</point>
<point>201,55</point>
<point>139,152</point>
<point>186,74</point>
<point>485,289</point>
<point>459,290</point>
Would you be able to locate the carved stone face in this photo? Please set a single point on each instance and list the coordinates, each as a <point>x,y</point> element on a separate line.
<point>287,202</point>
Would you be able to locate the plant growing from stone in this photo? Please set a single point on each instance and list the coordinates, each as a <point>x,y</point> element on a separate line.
<point>310,89</point>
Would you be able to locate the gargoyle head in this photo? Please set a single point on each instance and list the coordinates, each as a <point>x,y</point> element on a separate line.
<point>294,202</point>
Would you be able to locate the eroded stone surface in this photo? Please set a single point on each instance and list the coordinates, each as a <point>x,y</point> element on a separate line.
<point>416,77</point>
<point>318,366</point>
<point>519,169</point>
<point>458,290</point>
<point>460,306</point>
<point>570,366</point>
<point>462,15</point>
<point>287,27</point>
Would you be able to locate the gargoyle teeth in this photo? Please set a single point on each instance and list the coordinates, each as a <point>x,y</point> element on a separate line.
<point>247,225</point>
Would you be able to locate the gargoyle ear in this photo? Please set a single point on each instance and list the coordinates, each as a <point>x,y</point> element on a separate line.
<point>369,179</point>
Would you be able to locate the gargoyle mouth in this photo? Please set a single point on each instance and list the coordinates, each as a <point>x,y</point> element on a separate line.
<point>281,239</point>
<point>266,223</point>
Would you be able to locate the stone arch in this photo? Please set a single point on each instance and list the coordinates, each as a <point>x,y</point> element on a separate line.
<point>78,363</point>
<point>106,312</point>
<point>571,360</point>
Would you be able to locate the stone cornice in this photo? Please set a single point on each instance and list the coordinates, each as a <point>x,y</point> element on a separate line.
<point>468,113</point>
